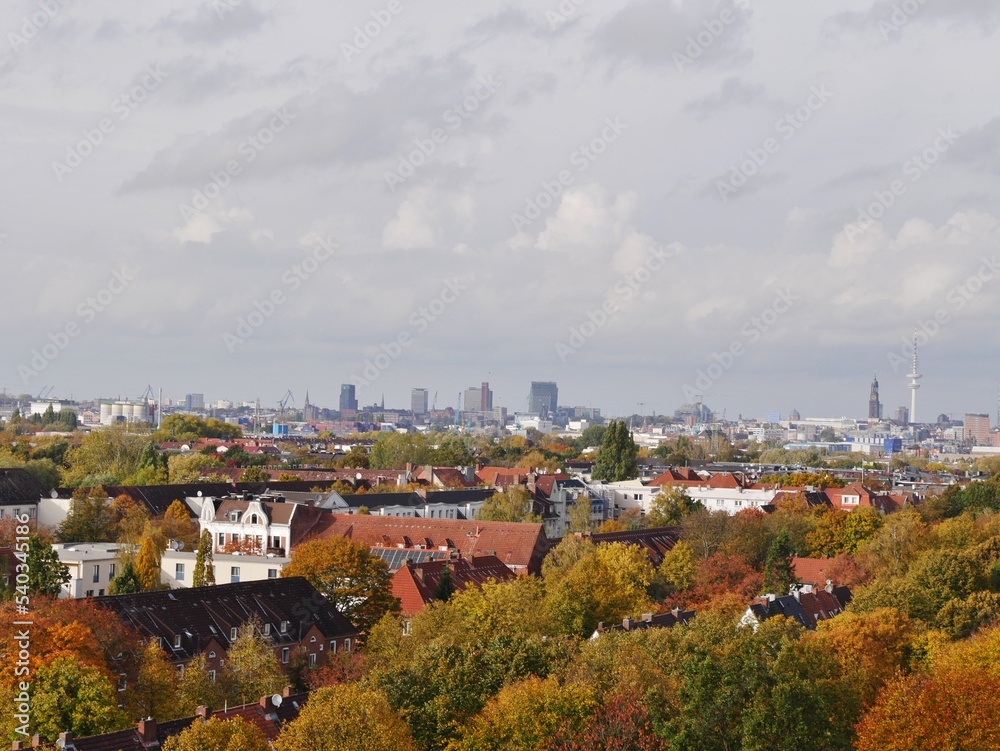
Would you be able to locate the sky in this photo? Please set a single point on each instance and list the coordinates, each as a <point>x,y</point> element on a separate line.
<point>752,202</point>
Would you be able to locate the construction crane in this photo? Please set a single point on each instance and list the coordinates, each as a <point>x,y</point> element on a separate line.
<point>288,397</point>
<point>148,397</point>
<point>46,390</point>
<point>434,404</point>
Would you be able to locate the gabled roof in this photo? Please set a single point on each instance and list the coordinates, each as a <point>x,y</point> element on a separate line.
<point>201,615</point>
<point>518,546</point>
<point>649,620</point>
<point>811,571</point>
<point>415,583</point>
<point>19,486</point>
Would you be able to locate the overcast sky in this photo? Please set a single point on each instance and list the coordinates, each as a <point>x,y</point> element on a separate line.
<point>484,179</point>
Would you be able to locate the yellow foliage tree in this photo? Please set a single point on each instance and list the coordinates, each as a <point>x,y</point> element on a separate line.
<point>230,735</point>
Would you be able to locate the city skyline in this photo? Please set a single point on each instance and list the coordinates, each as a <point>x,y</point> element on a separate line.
<point>299,196</point>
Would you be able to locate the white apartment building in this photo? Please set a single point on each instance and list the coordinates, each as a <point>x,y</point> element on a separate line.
<point>632,494</point>
<point>177,568</point>
<point>91,566</point>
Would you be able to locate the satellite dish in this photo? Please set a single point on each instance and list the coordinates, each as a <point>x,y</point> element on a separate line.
<point>359,476</point>
<point>276,700</point>
<point>54,493</point>
<point>199,494</point>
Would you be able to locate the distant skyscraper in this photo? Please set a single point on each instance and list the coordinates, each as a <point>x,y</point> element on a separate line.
<point>543,398</point>
<point>418,401</point>
<point>348,398</point>
<point>874,406</point>
<point>485,398</point>
<point>194,402</point>
<point>977,428</point>
<point>903,415</point>
<point>914,379</point>
<point>794,415</point>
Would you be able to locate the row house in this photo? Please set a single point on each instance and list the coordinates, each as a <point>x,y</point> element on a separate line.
<point>295,617</point>
<point>416,584</point>
<point>20,495</point>
<point>804,605</point>
<point>267,525</point>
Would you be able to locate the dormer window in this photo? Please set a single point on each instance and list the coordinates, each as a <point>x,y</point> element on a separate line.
<point>234,516</point>
<point>267,629</point>
<point>253,518</point>
<point>177,641</point>
<point>233,633</point>
<point>284,627</point>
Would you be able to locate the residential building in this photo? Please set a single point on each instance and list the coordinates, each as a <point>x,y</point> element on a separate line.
<point>416,583</point>
<point>649,620</point>
<point>295,617</point>
<point>257,525</point>
<point>20,495</point>
<point>521,547</point>
<point>194,402</point>
<point>92,566</point>
<point>177,568</point>
<point>805,606</point>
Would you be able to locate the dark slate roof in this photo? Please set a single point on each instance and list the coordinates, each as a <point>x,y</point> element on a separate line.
<point>201,614</point>
<point>414,500</point>
<point>19,486</point>
<point>649,620</point>
<point>656,541</point>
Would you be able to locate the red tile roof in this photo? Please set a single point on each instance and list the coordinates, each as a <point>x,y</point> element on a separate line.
<point>811,570</point>
<point>521,547</point>
<point>415,583</point>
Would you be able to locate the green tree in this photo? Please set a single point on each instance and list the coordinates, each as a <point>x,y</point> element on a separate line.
<point>445,587</point>
<point>67,695</point>
<point>671,506</point>
<point>90,519</point>
<point>779,574</point>
<point>592,437</point>
<point>188,468</point>
<point>512,505</point>
<point>114,453</point>
<point>218,735</point>
<point>204,570</point>
<point>45,471</point>
<point>357,583</point>
<point>196,688</point>
<point>127,582</point>
<point>349,717</point>
<point>396,450</point>
<point>46,573</point>
<point>617,458</point>
<point>252,670</point>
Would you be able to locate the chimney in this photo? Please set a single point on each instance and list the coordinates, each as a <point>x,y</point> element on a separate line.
<point>265,702</point>
<point>627,624</point>
<point>203,712</point>
<point>647,617</point>
<point>15,746</point>
<point>147,730</point>
<point>36,741</point>
<point>287,691</point>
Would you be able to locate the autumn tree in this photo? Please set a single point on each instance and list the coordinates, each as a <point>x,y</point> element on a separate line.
<point>527,715</point>
<point>348,717</point>
<point>218,735</point>
<point>204,569</point>
<point>622,723</point>
<point>196,688</point>
<point>189,468</point>
<point>67,695</point>
<point>252,670</point>
<point>949,709</point>
<point>679,566</point>
<point>154,693</point>
<point>356,583</point>
<point>512,505</point>
<point>147,565</point>
<point>112,454</point>
<point>177,524</point>
<point>579,514</point>
<point>255,474</point>
<point>617,457</point>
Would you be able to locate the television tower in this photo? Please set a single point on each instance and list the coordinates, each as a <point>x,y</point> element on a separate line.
<point>914,379</point>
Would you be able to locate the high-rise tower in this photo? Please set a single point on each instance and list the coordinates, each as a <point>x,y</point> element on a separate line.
<point>914,378</point>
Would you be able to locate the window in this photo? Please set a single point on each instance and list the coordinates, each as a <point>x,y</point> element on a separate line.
<point>272,573</point>
<point>312,640</point>
<point>111,571</point>
<point>267,629</point>
<point>211,655</point>
<point>276,542</point>
<point>97,572</point>
<point>179,572</point>
<point>284,627</point>
<point>211,675</point>
<point>233,633</point>
<point>234,574</point>
<point>222,540</point>
<point>177,641</point>
<point>284,656</point>
<point>89,593</point>
<point>100,593</point>
<point>122,683</point>
<point>234,516</point>
<point>407,628</point>
<point>236,538</point>
<point>253,518</point>
<point>347,645</point>
<point>312,660</point>
<point>333,647</point>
